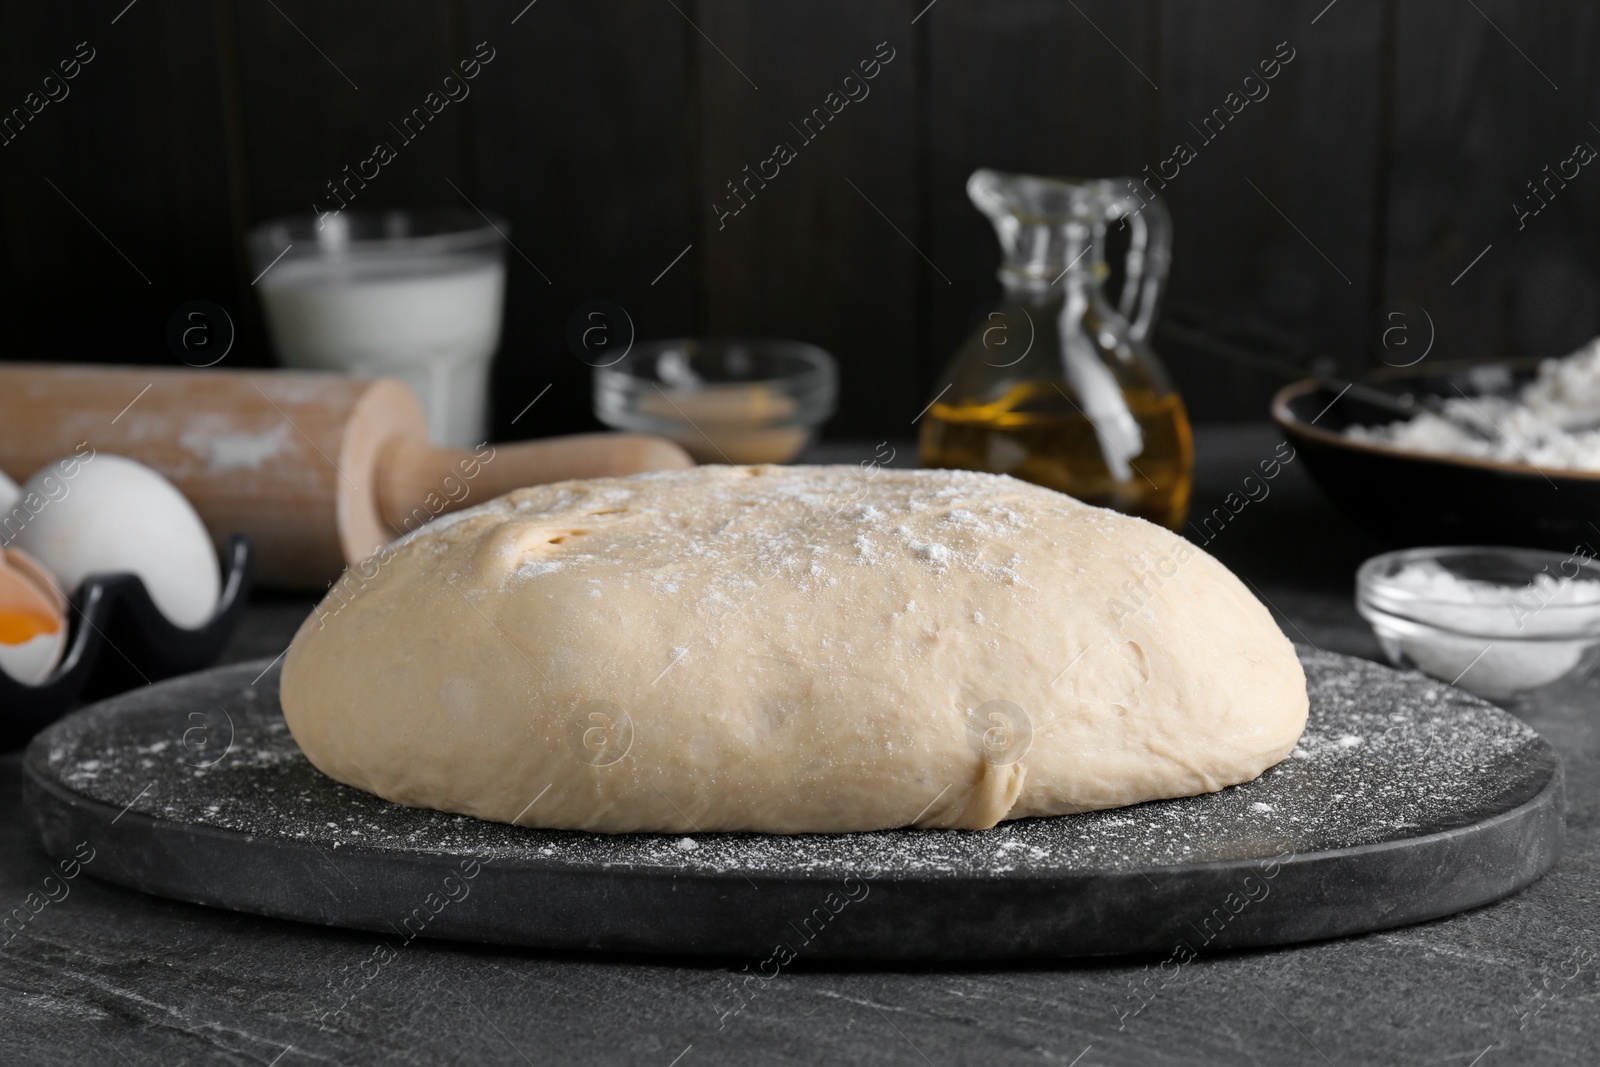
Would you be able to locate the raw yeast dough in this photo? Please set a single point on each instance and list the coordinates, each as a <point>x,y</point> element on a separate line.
<point>790,649</point>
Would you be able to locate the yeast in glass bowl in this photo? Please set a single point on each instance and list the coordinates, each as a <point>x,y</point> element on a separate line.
<point>724,400</point>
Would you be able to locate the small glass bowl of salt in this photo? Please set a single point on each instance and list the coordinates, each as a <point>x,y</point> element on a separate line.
<point>1497,622</point>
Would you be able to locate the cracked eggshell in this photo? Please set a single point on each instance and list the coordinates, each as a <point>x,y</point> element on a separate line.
<point>30,662</point>
<point>30,602</point>
<point>104,514</point>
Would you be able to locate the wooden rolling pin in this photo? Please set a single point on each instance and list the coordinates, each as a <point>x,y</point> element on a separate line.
<point>319,470</point>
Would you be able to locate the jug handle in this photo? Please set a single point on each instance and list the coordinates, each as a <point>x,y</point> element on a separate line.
<point>1149,254</point>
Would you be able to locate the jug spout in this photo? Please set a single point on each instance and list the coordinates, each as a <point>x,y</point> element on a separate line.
<point>1045,225</point>
<point>1048,227</point>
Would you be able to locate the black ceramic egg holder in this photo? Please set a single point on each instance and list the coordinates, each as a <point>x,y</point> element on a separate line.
<point>119,640</point>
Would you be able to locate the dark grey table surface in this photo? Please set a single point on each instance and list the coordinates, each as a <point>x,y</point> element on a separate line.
<point>108,976</point>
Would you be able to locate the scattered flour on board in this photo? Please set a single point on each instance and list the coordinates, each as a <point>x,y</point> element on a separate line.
<point>1417,762</point>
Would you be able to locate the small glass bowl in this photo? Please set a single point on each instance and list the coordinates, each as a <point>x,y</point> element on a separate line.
<point>726,400</point>
<point>1501,623</point>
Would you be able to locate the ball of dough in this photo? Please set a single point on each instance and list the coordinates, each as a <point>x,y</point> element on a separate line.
<point>104,514</point>
<point>788,650</point>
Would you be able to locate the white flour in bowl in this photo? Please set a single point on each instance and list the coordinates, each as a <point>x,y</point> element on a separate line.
<point>1566,392</point>
<point>1491,638</point>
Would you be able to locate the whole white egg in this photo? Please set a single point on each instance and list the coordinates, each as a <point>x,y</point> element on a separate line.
<point>9,495</point>
<point>101,514</point>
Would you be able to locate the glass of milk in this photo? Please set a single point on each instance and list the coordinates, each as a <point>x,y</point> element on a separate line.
<point>411,295</point>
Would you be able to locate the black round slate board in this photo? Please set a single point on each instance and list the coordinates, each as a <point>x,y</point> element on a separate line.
<point>1406,800</point>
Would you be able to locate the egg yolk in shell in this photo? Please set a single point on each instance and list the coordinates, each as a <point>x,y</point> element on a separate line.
<point>19,627</point>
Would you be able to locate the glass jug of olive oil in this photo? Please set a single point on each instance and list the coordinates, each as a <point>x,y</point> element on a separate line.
<point>1058,387</point>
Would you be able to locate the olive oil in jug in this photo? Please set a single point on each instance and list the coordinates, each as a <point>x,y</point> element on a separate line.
<point>1057,387</point>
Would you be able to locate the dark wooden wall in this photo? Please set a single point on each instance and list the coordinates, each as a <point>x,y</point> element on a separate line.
<point>1387,156</point>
